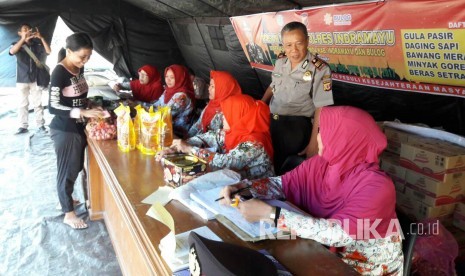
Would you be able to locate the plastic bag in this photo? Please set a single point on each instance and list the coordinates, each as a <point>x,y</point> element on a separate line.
<point>156,130</point>
<point>137,123</point>
<point>101,128</point>
<point>435,250</point>
<point>125,128</point>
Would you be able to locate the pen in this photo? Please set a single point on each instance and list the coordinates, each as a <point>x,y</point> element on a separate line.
<point>234,193</point>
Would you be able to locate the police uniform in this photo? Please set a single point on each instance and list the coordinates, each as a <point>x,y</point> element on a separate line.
<point>296,95</point>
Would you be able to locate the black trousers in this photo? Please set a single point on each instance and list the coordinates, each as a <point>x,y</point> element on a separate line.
<point>69,148</point>
<point>290,135</point>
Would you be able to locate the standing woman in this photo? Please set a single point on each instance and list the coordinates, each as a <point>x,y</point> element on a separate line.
<point>179,96</point>
<point>67,101</point>
<point>222,86</point>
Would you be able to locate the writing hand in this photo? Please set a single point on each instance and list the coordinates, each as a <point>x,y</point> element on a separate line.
<point>255,210</point>
<point>227,191</point>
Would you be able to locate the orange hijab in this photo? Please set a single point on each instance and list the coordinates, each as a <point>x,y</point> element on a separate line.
<point>225,85</point>
<point>249,120</point>
<point>182,83</point>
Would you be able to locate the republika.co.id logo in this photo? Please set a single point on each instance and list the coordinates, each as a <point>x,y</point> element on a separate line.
<point>366,229</point>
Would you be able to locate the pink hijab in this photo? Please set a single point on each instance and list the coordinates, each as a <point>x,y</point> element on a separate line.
<point>345,183</point>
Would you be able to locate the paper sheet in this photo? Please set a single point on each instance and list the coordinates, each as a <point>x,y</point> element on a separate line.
<point>158,212</point>
<point>161,195</point>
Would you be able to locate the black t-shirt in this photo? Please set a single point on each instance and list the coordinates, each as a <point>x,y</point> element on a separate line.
<point>26,69</point>
<point>67,91</point>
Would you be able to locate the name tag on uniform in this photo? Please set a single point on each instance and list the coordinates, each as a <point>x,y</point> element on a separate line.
<point>277,75</point>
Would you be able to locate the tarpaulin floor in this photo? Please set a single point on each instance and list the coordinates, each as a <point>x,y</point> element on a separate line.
<point>33,239</point>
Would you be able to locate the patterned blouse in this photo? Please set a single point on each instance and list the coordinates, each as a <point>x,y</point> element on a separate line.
<point>215,124</point>
<point>369,257</point>
<point>181,111</point>
<point>249,158</point>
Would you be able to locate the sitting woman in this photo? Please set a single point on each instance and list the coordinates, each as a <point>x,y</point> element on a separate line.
<point>350,201</point>
<point>244,143</point>
<point>179,96</point>
<point>148,88</point>
<point>222,86</point>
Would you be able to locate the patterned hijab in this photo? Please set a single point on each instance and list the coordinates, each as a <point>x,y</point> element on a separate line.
<point>225,85</point>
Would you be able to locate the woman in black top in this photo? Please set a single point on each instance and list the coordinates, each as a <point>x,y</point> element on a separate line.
<point>67,101</point>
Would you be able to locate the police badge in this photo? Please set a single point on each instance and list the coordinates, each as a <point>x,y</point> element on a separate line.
<point>307,76</point>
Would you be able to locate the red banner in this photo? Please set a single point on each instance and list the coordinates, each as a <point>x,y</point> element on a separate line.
<point>411,45</point>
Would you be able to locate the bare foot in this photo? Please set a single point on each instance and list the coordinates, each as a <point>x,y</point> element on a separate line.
<point>74,221</point>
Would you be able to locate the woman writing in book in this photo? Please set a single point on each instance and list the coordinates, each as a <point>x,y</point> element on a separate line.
<point>179,96</point>
<point>350,201</point>
<point>148,88</point>
<point>244,143</point>
<point>222,86</point>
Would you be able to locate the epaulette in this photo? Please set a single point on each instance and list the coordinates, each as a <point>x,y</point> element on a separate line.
<point>318,62</point>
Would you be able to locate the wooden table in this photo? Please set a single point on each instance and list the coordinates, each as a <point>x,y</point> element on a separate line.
<point>118,182</point>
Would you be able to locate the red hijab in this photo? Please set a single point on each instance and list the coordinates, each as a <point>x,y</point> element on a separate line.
<point>152,90</point>
<point>345,183</point>
<point>182,83</point>
<point>249,120</point>
<point>225,85</point>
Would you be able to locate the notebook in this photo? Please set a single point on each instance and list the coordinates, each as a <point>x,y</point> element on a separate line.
<point>233,220</point>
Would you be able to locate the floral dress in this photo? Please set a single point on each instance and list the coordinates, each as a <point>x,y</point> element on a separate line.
<point>248,158</point>
<point>215,124</point>
<point>381,256</point>
<point>182,109</point>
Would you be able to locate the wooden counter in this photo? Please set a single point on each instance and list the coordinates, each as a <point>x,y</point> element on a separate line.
<point>118,182</point>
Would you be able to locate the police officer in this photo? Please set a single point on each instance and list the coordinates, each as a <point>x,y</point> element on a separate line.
<point>301,85</point>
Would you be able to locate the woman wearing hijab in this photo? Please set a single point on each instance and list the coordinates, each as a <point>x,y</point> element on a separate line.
<point>148,88</point>
<point>179,96</point>
<point>350,202</point>
<point>243,145</point>
<point>222,86</point>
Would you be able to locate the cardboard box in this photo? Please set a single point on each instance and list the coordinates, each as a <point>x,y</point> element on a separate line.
<point>417,193</point>
<point>440,161</point>
<point>418,210</point>
<point>395,138</point>
<point>444,192</point>
<point>390,163</point>
<point>179,169</point>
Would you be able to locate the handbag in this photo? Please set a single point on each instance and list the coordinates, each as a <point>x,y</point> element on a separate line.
<point>43,71</point>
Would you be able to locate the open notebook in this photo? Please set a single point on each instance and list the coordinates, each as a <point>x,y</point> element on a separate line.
<point>233,220</point>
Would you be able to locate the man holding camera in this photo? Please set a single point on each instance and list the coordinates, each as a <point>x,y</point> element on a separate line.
<point>30,47</point>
